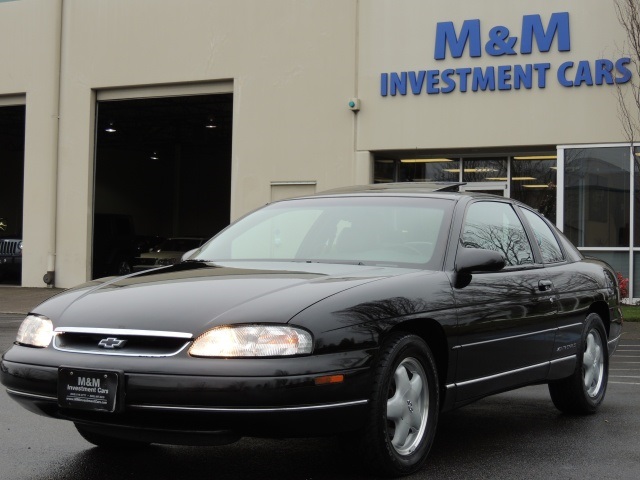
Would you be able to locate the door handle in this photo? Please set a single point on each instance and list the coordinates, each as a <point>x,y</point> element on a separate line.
<point>545,285</point>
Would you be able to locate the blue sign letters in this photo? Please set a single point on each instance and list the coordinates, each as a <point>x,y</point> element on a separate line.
<point>534,37</point>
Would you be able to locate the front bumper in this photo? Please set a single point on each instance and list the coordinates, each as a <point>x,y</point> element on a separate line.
<point>196,409</point>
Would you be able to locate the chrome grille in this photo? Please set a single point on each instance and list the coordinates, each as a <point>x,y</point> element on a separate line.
<point>9,247</point>
<point>138,343</point>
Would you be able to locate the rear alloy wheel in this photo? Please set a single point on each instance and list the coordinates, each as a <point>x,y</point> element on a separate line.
<point>404,407</point>
<point>584,391</point>
<point>104,441</point>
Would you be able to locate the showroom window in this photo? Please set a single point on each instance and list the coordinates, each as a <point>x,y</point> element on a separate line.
<point>417,170</point>
<point>594,200</point>
<point>636,195</point>
<point>491,169</point>
<point>596,196</point>
<point>636,230</point>
<point>533,181</point>
<point>597,205</point>
<point>527,177</point>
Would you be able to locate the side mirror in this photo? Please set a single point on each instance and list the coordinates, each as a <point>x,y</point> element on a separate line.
<point>469,260</point>
<point>186,255</point>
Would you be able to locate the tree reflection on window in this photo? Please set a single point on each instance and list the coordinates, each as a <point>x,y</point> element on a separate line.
<point>549,247</point>
<point>495,226</point>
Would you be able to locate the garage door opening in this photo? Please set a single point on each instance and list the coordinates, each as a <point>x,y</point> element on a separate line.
<point>162,178</point>
<point>12,128</point>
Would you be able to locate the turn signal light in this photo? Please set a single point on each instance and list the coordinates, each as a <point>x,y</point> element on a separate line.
<point>329,379</point>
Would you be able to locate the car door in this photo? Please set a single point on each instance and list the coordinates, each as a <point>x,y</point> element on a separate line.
<point>573,289</point>
<point>506,319</point>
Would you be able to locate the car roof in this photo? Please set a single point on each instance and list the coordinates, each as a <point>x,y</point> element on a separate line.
<point>406,187</point>
<point>450,190</point>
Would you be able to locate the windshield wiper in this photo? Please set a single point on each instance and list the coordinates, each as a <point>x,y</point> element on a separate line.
<point>339,262</point>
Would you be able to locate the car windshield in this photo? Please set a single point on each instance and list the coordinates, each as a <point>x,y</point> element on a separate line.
<point>359,230</point>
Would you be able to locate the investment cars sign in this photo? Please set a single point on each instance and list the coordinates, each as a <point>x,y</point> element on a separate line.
<point>500,41</point>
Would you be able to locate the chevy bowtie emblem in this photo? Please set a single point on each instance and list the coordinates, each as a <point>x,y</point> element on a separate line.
<point>112,343</point>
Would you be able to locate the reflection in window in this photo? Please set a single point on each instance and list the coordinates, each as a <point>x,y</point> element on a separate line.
<point>384,170</point>
<point>416,170</point>
<point>533,181</point>
<point>596,196</point>
<point>428,170</point>
<point>484,170</point>
<point>495,226</point>
<point>549,248</point>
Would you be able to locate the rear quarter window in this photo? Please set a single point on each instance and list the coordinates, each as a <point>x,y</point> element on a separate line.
<point>544,237</point>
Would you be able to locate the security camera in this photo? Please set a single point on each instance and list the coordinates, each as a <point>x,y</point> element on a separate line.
<point>354,104</point>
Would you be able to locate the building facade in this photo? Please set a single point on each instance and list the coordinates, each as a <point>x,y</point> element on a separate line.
<point>185,115</point>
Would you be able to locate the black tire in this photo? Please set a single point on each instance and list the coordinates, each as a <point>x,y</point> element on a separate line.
<point>402,421</point>
<point>584,390</point>
<point>105,441</point>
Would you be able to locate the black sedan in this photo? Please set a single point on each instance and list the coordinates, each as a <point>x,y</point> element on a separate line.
<point>364,312</point>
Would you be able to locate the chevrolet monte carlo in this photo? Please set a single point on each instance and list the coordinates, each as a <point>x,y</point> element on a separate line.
<point>364,312</point>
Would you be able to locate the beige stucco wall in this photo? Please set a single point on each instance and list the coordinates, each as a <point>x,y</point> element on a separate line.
<point>292,65</point>
<point>400,36</point>
<point>292,68</point>
<point>29,55</point>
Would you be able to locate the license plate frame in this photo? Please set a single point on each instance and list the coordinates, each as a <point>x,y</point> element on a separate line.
<point>90,389</point>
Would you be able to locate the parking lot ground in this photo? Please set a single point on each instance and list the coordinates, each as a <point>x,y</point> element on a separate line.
<point>15,299</point>
<point>624,368</point>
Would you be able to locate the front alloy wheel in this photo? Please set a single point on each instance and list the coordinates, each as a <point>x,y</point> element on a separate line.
<point>403,407</point>
<point>408,406</point>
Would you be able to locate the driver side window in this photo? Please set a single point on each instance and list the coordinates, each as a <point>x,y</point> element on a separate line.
<point>495,226</point>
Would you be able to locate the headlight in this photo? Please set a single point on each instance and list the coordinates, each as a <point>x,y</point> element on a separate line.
<point>252,341</point>
<point>35,331</point>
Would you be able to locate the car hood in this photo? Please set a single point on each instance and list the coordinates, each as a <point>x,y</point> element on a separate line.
<point>192,297</point>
